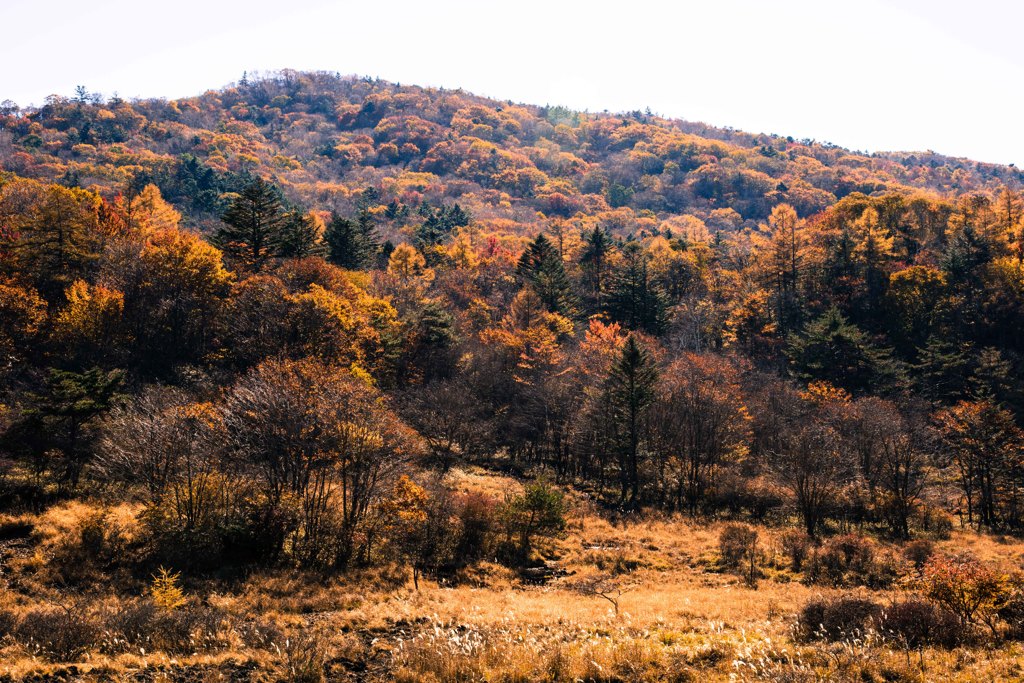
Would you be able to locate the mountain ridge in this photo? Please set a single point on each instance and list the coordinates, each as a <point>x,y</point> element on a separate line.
<point>324,136</point>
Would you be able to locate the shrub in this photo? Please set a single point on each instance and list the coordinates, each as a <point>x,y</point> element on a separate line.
<point>916,623</point>
<point>852,560</point>
<point>8,621</point>
<point>936,522</point>
<point>14,527</point>
<point>795,545</point>
<point>837,619</point>
<point>539,511</point>
<point>736,543</point>
<point>93,542</point>
<point>303,657</point>
<point>478,522</point>
<point>262,635</point>
<point>919,552</point>
<point>736,494</point>
<point>59,633</point>
<point>965,586</point>
<point>190,627</point>
<point>1012,610</point>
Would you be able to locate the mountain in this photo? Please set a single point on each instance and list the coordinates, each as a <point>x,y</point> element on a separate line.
<point>319,378</point>
<point>325,138</point>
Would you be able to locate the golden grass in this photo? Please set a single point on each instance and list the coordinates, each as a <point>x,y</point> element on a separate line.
<point>680,617</point>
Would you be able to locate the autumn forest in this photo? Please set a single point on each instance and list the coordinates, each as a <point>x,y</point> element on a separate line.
<point>317,377</point>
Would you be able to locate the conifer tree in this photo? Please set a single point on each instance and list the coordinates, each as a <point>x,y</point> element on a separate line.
<point>837,351</point>
<point>301,236</point>
<point>352,244</point>
<point>941,368</point>
<point>596,245</point>
<point>252,225</point>
<point>631,387</point>
<point>542,268</point>
<point>634,300</point>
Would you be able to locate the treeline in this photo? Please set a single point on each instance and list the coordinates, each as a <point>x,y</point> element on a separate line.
<point>282,389</point>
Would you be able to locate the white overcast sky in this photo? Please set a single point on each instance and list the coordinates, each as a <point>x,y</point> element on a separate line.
<point>869,75</point>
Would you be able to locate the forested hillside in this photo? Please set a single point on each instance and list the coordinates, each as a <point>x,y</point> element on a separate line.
<point>277,327</point>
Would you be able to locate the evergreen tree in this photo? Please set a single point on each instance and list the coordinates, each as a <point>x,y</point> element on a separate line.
<point>633,299</point>
<point>994,380</point>
<point>352,244</point>
<point>965,256</point>
<point>59,419</point>
<point>631,387</point>
<point>430,233</point>
<point>301,236</point>
<point>252,225</point>
<point>596,245</point>
<point>941,368</point>
<point>368,236</point>
<point>965,260</point>
<point>456,217</point>
<point>542,268</point>
<point>833,349</point>
<point>438,224</point>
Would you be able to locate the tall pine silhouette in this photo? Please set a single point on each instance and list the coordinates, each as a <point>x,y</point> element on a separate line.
<point>541,267</point>
<point>252,227</point>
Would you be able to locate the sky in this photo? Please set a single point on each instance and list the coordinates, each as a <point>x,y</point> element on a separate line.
<point>870,75</point>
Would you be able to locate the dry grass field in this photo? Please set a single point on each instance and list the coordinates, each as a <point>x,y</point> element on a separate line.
<point>644,599</point>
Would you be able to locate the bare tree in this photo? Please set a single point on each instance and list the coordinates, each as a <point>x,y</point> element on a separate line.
<point>318,439</point>
<point>812,467</point>
<point>607,587</point>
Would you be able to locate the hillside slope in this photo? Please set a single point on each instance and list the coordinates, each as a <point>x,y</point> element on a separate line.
<point>325,138</point>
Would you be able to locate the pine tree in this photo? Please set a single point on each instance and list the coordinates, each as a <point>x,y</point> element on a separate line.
<point>542,268</point>
<point>631,389</point>
<point>596,245</point>
<point>62,414</point>
<point>301,236</point>
<point>252,225</point>
<point>941,369</point>
<point>634,300</point>
<point>968,251</point>
<point>439,223</point>
<point>432,231</point>
<point>833,349</point>
<point>352,244</point>
<point>368,237</point>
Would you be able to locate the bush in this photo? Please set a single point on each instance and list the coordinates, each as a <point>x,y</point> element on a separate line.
<point>736,494</point>
<point>58,633</point>
<point>965,586</point>
<point>1012,610</point>
<point>738,546</point>
<point>95,542</point>
<point>936,522</point>
<point>737,543</point>
<point>303,657</point>
<point>539,511</point>
<point>143,624</point>
<point>916,623</point>
<point>796,546</point>
<point>477,522</point>
<point>838,618</point>
<point>852,560</point>
<point>8,621</point>
<point>919,552</point>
